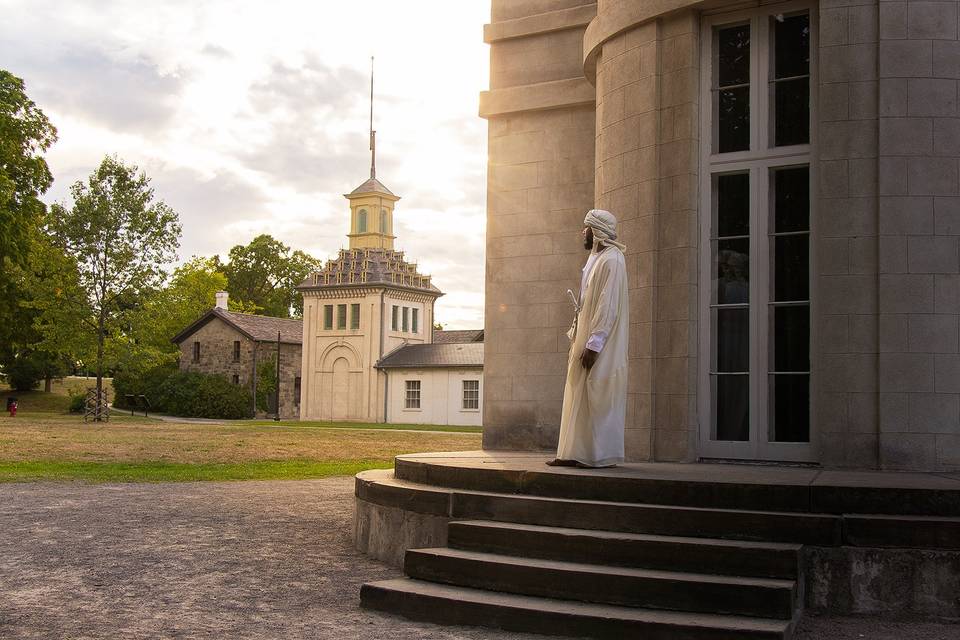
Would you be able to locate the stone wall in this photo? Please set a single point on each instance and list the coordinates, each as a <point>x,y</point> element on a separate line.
<point>216,340</point>
<point>539,185</point>
<point>919,225</point>
<point>646,174</point>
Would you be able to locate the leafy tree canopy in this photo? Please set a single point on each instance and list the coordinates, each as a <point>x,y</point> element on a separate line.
<point>121,240</point>
<point>263,275</point>
<point>25,133</point>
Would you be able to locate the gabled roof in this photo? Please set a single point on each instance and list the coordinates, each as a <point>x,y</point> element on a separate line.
<point>371,186</point>
<point>254,327</point>
<point>458,335</point>
<point>415,356</point>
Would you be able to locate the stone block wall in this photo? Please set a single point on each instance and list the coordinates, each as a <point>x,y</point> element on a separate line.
<point>845,243</point>
<point>216,340</point>
<point>540,183</point>
<point>646,174</point>
<point>919,229</point>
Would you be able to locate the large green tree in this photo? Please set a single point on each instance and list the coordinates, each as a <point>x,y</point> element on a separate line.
<point>121,238</point>
<point>25,134</point>
<point>263,275</point>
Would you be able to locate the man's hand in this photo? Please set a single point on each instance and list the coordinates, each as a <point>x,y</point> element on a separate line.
<point>588,358</point>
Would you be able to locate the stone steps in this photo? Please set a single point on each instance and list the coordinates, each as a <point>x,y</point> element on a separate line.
<point>453,605</point>
<point>696,555</point>
<point>630,587</point>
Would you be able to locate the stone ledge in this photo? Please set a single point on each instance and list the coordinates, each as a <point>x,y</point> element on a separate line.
<point>541,96</point>
<point>541,23</point>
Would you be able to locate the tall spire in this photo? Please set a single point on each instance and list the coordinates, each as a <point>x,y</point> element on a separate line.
<point>373,134</point>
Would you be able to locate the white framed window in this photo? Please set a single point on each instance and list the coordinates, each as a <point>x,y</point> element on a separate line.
<point>471,394</point>
<point>412,395</point>
<point>756,166</point>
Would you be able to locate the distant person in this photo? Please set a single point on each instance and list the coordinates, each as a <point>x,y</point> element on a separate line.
<point>595,395</point>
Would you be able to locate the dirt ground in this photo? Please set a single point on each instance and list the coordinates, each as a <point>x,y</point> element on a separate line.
<point>224,560</point>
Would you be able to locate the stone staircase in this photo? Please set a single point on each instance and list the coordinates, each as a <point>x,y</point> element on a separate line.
<point>657,575</point>
<point>539,553</point>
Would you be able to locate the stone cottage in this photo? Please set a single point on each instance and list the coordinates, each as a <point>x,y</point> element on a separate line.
<point>234,345</point>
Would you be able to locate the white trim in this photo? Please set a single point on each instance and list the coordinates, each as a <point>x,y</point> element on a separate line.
<point>757,162</point>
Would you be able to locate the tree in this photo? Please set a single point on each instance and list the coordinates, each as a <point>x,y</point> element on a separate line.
<point>191,292</point>
<point>121,239</point>
<point>264,274</point>
<point>25,133</point>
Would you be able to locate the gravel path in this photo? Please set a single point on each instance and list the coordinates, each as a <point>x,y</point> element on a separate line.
<point>223,560</point>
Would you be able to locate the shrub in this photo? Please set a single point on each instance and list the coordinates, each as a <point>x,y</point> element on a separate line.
<point>198,395</point>
<point>135,383</point>
<point>78,401</point>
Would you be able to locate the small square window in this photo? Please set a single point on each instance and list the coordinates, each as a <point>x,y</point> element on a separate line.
<point>412,398</point>
<point>471,394</point>
<point>236,379</point>
<point>355,316</point>
<point>341,316</point>
<point>328,316</point>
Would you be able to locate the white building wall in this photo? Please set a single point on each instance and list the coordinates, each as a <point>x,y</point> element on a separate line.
<point>441,397</point>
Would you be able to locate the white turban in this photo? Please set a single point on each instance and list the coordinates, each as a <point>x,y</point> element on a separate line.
<point>604,225</point>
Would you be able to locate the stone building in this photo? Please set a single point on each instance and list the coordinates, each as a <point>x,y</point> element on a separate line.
<point>786,179</point>
<point>234,345</point>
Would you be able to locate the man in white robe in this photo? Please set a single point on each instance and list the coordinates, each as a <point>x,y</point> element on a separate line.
<point>595,395</point>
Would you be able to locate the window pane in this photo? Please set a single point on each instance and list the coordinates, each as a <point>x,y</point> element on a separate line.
<point>791,338</point>
<point>733,44</point>
<point>732,340</point>
<point>394,324</point>
<point>733,271</point>
<point>415,320</point>
<point>355,316</point>
<point>733,205</point>
<point>791,270</point>
<point>790,408</point>
<point>732,407</point>
<point>341,316</point>
<point>733,121</point>
<point>406,318</point>
<point>791,199</point>
<point>328,316</point>
<point>792,112</point>
<point>792,46</point>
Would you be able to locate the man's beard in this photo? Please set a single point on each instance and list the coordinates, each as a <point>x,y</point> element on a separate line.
<point>588,242</point>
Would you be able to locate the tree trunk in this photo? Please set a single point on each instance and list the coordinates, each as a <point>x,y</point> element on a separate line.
<point>47,384</point>
<point>100,339</point>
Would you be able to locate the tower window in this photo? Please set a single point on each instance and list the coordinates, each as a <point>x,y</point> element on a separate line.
<point>362,221</point>
<point>396,311</point>
<point>341,316</point>
<point>328,316</point>
<point>355,316</point>
<point>415,320</point>
<point>406,319</point>
<point>383,221</point>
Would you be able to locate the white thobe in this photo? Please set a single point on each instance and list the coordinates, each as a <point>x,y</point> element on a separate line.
<point>595,401</point>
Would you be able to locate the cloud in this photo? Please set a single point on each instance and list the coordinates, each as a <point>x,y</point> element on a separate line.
<point>123,95</point>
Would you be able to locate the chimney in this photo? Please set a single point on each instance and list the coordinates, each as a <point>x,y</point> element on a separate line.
<point>222,297</point>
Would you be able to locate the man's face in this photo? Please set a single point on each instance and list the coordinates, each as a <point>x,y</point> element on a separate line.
<point>587,234</point>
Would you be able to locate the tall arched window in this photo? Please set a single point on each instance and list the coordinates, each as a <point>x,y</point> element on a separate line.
<point>362,221</point>
<point>383,220</point>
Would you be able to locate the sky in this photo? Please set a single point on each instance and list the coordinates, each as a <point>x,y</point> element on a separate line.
<point>253,117</point>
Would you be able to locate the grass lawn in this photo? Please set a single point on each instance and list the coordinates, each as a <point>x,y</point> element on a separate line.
<point>317,424</point>
<point>59,397</point>
<point>40,445</point>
